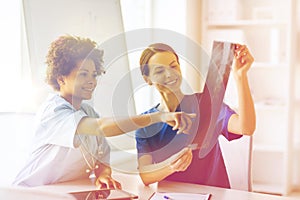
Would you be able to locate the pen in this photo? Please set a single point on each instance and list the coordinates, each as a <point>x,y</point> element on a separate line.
<point>167,197</point>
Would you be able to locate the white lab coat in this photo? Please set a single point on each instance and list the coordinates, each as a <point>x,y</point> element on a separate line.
<point>56,156</point>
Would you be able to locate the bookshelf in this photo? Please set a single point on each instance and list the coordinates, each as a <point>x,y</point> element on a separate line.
<point>268,29</point>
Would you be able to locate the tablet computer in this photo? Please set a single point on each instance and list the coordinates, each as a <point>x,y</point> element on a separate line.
<point>101,194</point>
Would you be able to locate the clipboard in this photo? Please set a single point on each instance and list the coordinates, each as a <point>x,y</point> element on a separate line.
<point>179,196</point>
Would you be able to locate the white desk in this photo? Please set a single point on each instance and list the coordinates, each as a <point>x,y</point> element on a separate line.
<point>130,183</point>
<point>133,184</point>
<point>13,193</point>
<point>216,192</point>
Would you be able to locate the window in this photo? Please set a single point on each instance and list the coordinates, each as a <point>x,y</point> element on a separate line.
<point>17,93</point>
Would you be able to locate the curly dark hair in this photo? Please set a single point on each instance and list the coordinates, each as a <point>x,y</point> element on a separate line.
<point>65,52</point>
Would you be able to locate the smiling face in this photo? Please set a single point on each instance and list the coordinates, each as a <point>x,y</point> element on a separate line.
<point>164,72</point>
<point>80,83</point>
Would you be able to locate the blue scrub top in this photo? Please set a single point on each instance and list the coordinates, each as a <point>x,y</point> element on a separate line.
<point>161,142</point>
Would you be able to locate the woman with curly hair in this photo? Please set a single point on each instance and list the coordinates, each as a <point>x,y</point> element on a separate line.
<point>69,140</point>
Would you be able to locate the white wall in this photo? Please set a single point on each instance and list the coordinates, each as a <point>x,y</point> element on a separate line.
<point>16,134</point>
<point>99,20</point>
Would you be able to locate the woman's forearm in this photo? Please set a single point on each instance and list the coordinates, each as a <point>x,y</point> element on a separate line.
<point>149,177</point>
<point>118,125</point>
<point>247,116</point>
<point>110,126</point>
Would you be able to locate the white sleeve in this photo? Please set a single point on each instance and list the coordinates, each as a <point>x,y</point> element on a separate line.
<point>60,125</point>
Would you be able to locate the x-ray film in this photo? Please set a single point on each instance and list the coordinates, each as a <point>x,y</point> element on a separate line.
<point>212,97</point>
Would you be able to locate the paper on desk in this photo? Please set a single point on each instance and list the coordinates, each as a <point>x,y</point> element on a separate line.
<point>179,196</point>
